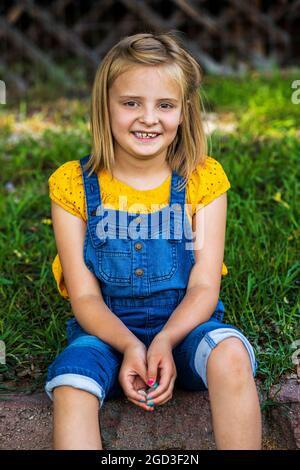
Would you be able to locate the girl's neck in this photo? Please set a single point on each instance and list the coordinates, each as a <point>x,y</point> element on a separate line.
<point>147,174</point>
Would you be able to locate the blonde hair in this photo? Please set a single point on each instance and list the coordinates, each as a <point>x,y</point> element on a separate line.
<point>189,148</point>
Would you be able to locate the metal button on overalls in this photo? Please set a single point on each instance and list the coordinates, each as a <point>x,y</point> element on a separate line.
<point>138,246</point>
<point>139,272</point>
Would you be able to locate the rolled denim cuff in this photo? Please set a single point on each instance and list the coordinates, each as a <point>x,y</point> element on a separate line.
<point>210,341</point>
<point>77,381</point>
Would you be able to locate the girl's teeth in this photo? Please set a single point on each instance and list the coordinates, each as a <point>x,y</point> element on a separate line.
<point>145,136</point>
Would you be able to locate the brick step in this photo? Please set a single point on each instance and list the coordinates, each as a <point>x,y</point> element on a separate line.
<point>182,423</point>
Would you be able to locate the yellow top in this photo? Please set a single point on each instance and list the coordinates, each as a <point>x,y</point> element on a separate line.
<point>66,189</point>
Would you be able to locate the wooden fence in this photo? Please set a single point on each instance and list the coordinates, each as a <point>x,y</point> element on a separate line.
<point>227,37</point>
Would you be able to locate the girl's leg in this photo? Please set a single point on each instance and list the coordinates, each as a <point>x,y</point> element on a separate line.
<point>233,397</point>
<point>76,420</point>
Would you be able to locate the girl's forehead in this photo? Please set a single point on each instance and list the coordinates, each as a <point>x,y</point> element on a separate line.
<point>143,77</point>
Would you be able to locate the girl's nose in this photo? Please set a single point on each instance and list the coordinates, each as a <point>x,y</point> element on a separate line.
<point>149,118</point>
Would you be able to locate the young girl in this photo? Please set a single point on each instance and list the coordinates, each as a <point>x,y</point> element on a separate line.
<point>140,228</point>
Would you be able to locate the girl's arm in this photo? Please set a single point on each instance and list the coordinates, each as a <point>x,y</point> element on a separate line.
<point>200,300</point>
<point>83,287</point>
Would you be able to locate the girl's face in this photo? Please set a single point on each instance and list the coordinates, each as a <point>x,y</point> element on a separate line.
<point>144,99</point>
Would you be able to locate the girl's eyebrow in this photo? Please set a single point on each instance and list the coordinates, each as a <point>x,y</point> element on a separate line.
<point>141,98</point>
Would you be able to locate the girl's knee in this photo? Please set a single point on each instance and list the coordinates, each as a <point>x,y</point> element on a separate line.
<point>231,359</point>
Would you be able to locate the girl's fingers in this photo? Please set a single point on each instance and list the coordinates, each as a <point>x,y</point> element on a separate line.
<point>143,393</point>
<point>128,384</point>
<point>139,403</point>
<point>164,398</point>
<point>158,389</point>
<point>161,393</point>
<point>144,405</point>
<point>161,400</point>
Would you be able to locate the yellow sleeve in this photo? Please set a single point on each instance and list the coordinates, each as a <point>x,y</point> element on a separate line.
<point>59,277</point>
<point>206,184</point>
<point>66,188</point>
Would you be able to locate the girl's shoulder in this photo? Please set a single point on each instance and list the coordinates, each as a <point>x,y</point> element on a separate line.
<point>65,171</point>
<point>207,182</point>
<point>66,188</point>
<point>210,168</point>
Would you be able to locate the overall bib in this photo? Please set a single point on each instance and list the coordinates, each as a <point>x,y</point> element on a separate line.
<point>143,263</point>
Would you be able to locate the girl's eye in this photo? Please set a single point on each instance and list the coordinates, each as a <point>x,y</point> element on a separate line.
<point>170,105</point>
<point>130,103</point>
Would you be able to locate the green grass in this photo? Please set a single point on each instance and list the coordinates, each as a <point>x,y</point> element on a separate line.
<point>261,159</point>
<point>261,103</point>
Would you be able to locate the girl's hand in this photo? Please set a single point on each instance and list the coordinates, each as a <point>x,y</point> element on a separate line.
<point>161,369</point>
<point>133,374</point>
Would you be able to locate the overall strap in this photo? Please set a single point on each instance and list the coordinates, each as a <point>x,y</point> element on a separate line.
<point>93,201</point>
<point>177,208</point>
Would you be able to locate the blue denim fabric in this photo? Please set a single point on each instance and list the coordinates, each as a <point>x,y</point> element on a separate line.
<point>143,263</point>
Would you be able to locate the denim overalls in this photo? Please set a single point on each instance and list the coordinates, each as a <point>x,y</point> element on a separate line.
<point>143,263</point>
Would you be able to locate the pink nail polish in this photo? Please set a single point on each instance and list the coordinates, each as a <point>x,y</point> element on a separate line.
<point>150,382</point>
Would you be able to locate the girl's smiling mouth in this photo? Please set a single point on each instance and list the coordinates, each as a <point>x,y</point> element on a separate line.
<point>145,136</point>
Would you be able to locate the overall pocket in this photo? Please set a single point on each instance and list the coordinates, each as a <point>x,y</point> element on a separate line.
<point>115,261</point>
<point>163,260</point>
